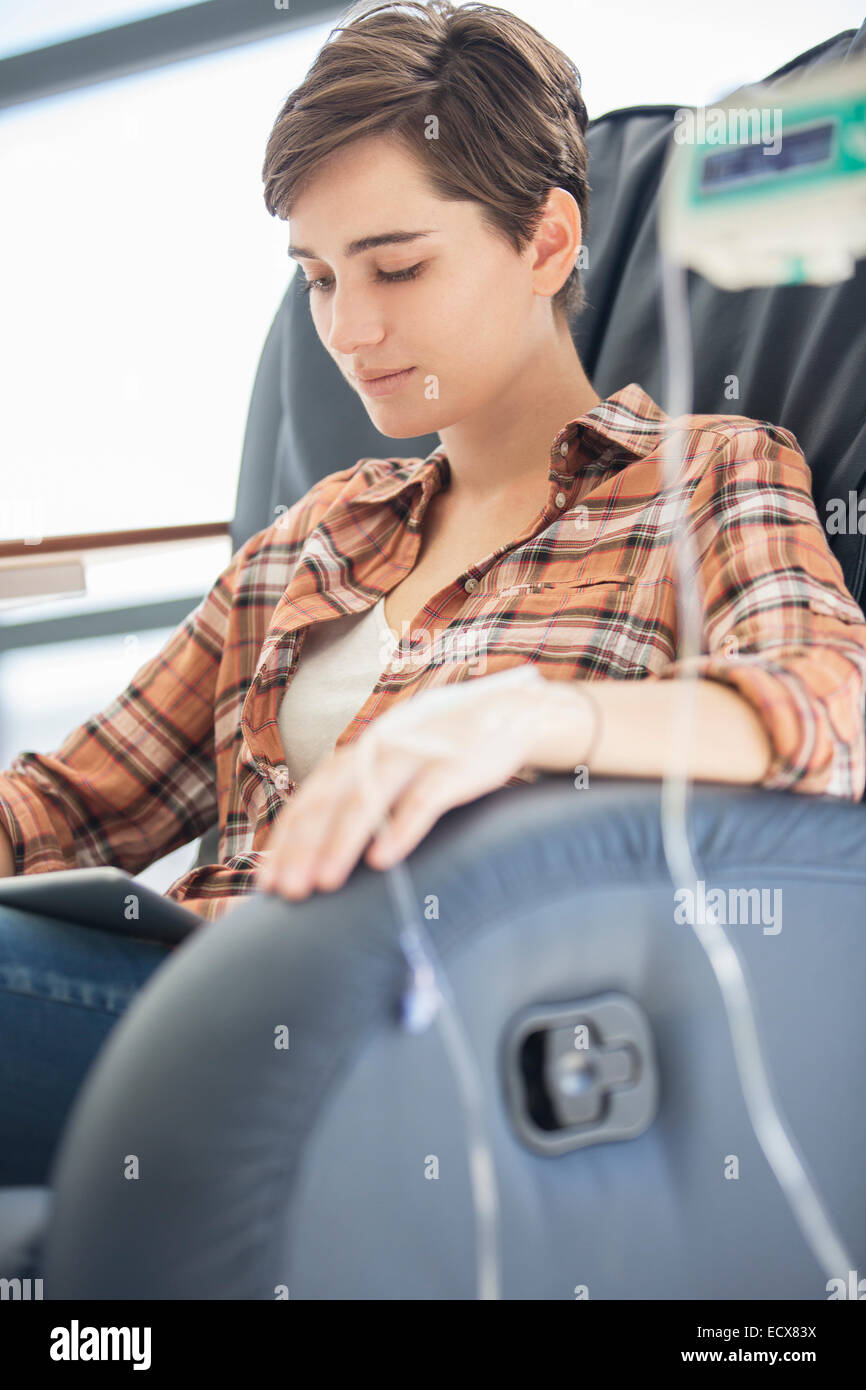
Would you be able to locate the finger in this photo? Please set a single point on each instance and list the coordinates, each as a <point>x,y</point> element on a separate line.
<point>351,819</point>
<point>436,790</point>
<point>303,824</point>
<point>359,818</point>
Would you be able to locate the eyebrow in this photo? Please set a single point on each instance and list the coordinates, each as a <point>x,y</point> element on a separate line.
<point>364,243</point>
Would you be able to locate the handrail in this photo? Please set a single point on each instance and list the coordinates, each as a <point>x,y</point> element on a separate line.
<point>109,540</point>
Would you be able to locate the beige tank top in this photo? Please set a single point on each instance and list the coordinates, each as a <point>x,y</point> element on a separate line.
<point>340,663</point>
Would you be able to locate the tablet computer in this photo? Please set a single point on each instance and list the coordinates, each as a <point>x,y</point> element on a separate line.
<point>106,898</point>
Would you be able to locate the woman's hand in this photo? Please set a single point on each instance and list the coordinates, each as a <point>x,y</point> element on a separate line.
<point>438,749</point>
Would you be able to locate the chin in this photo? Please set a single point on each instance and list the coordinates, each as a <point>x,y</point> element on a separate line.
<point>395,423</point>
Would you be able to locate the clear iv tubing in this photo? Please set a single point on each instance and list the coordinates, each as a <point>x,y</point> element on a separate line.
<point>428,997</point>
<point>766,1119</point>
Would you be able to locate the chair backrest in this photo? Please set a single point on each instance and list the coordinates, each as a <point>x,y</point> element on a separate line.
<point>798,351</point>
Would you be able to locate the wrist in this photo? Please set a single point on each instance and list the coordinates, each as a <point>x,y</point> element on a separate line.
<point>566,729</point>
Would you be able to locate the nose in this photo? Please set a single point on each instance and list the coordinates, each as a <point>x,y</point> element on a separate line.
<point>355,322</point>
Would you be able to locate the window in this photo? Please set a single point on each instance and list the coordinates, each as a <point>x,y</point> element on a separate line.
<point>140,275</point>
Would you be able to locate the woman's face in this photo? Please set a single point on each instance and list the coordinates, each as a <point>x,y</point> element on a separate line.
<point>454,304</point>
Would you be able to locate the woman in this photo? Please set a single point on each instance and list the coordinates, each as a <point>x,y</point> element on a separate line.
<point>434,170</point>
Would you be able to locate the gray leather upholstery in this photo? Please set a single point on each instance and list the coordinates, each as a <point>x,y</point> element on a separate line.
<point>306,1168</point>
<point>311,1175</point>
<point>24,1215</point>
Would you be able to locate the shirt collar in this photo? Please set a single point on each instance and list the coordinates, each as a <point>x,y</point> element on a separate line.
<point>628,422</point>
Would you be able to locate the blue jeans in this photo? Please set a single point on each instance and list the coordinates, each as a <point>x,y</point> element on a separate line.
<point>62,989</point>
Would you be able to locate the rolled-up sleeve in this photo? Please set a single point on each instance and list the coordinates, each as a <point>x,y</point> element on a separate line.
<point>138,779</point>
<point>779,624</point>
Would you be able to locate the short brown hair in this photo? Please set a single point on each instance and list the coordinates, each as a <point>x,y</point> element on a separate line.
<point>511,118</point>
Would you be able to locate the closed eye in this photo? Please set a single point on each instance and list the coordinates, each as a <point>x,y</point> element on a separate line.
<point>383,277</point>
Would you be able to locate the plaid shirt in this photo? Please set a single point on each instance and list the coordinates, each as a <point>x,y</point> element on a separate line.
<point>585,592</point>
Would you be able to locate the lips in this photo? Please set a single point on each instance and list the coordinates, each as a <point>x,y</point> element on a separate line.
<point>380,375</point>
<point>387,385</point>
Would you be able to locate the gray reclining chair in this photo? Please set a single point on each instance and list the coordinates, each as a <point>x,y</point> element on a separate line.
<point>553,908</point>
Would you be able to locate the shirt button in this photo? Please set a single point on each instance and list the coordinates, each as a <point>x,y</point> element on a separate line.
<point>563,448</point>
<point>560,499</point>
<point>470,586</point>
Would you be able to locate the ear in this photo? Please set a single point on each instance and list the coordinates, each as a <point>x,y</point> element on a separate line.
<point>556,243</point>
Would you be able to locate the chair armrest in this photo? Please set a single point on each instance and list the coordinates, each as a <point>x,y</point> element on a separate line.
<point>307,1165</point>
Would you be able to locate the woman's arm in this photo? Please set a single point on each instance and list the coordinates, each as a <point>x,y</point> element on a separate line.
<point>632,736</point>
<point>136,779</point>
<point>779,627</point>
<point>451,745</point>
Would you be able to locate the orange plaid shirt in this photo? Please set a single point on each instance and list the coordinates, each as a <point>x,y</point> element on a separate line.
<point>586,592</point>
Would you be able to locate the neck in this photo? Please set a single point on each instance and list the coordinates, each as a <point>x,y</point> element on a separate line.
<point>506,447</point>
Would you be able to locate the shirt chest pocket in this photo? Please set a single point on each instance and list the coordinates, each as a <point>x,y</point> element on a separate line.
<point>605,623</point>
<point>561,589</point>
<point>536,606</point>
<point>584,603</point>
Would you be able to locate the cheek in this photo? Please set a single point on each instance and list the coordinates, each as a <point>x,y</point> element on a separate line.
<point>320,315</point>
<point>488,342</point>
